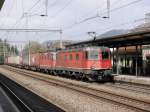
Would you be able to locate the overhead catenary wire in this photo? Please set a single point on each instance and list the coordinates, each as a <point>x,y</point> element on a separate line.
<point>116,2</point>
<point>11,8</point>
<point>48,6</point>
<point>62,9</point>
<point>117,25</point>
<point>8,14</point>
<point>96,16</point>
<point>38,1</point>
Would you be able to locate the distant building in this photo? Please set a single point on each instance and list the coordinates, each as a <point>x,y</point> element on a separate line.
<point>55,44</point>
<point>127,57</point>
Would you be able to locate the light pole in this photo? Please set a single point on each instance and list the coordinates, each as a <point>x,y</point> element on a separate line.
<point>4,51</point>
<point>108,10</point>
<point>46,7</point>
<point>61,43</point>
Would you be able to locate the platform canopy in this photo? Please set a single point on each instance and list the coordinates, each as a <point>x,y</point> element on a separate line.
<point>124,40</point>
<point>1,3</point>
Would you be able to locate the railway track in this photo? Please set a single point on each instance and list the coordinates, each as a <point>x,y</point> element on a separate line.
<point>135,104</point>
<point>25,100</point>
<point>21,105</point>
<point>130,87</point>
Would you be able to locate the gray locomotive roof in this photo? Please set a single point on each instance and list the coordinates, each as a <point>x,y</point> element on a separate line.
<point>83,49</point>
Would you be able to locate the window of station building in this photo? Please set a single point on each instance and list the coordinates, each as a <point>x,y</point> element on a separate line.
<point>77,56</point>
<point>105,55</point>
<point>70,56</point>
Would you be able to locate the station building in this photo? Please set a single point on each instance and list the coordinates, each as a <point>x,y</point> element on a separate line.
<point>128,59</point>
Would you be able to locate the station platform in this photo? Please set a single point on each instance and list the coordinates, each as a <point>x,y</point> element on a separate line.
<point>132,79</point>
<point>6,105</point>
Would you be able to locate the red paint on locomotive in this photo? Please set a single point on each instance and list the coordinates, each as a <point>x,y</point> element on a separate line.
<point>92,58</point>
<point>47,60</point>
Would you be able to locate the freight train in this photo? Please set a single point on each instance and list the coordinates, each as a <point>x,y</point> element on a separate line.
<point>87,63</point>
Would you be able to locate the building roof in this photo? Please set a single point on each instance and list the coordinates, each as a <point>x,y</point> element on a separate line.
<point>129,39</point>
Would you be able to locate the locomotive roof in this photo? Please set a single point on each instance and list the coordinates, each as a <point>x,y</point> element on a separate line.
<point>77,49</point>
<point>47,51</point>
<point>84,48</point>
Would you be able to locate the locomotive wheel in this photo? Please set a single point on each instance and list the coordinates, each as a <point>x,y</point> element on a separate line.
<point>54,73</point>
<point>73,75</point>
<point>84,78</point>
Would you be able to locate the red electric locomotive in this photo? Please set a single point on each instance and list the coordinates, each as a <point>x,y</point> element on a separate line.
<point>92,63</point>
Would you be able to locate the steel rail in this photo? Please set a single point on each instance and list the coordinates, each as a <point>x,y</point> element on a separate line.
<point>25,107</point>
<point>130,88</point>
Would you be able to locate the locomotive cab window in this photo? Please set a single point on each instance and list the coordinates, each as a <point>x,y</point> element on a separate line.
<point>105,55</point>
<point>93,55</point>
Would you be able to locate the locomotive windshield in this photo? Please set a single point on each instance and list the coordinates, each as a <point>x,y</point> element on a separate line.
<point>105,55</point>
<point>93,55</point>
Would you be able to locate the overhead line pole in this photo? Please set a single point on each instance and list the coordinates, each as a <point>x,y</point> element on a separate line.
<point>108,8</point>
<point>29,40</point>
<point>46,7</point>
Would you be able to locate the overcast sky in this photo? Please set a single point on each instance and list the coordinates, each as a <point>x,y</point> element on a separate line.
<point>67,14</point>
